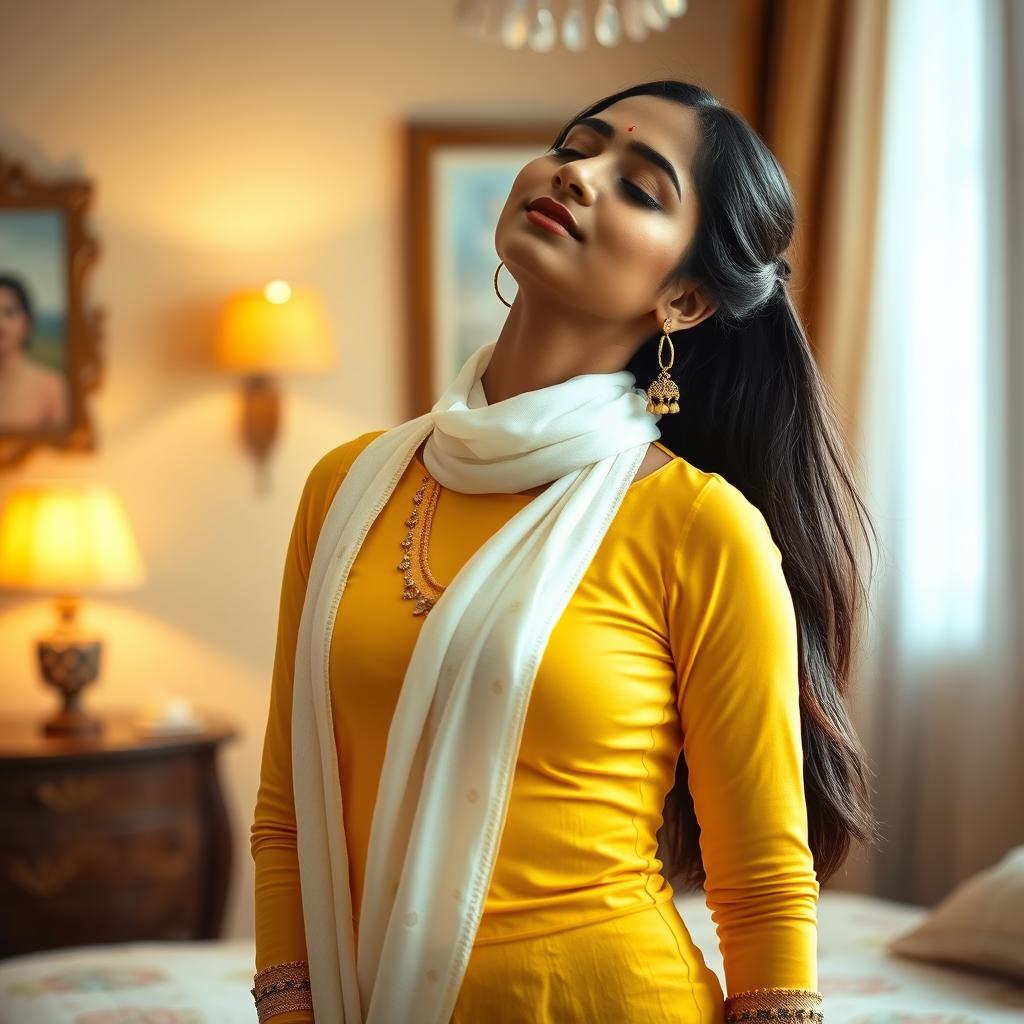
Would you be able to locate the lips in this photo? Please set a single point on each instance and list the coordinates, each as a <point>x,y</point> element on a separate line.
<point>557,212</point>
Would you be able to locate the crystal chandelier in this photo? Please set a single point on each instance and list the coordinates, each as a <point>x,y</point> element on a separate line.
<point>535,23</point>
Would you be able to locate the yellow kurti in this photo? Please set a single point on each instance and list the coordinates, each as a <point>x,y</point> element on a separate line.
<point>680,639</point>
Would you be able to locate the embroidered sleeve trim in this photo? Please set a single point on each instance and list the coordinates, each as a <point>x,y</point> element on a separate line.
<point>281,988</point>
<point>774,1004</point>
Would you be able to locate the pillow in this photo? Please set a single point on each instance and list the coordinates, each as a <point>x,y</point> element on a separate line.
<point>979,925</point>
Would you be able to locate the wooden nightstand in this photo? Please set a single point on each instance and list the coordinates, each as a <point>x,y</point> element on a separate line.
<point>112,838</point>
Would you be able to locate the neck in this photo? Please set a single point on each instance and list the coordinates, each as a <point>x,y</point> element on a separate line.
<point>539,347</point>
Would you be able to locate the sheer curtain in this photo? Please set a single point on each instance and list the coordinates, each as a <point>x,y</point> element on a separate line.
<point>940,692</point>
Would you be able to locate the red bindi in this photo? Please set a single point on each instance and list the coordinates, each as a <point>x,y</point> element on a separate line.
<point>632,126</point>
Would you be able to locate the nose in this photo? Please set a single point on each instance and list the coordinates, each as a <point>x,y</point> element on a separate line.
<point>576,180</point>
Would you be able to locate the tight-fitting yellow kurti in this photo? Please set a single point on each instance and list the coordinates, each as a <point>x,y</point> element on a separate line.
<point>680,638</point>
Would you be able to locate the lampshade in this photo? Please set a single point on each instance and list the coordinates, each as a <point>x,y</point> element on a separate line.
<point>67,537</point>
<point>277,329</point>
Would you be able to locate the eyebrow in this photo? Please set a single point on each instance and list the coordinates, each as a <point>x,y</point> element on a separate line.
<point>602,127</point>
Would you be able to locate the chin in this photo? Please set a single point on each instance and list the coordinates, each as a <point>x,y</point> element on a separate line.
<point>533,249</point>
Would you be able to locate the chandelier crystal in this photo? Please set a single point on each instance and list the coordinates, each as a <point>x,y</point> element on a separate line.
<point>539,25</point>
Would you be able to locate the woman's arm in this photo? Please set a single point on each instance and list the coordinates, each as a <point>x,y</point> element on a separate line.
<point>734,637</point>
<point>280,933</point>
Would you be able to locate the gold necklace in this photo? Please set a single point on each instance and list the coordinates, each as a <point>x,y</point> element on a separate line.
<point>414,563</point>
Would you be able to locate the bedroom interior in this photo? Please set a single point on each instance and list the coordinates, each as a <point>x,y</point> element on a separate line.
<point>230,220</point>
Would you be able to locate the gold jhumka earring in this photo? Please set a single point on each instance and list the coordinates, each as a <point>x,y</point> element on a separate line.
<point>663,394</point>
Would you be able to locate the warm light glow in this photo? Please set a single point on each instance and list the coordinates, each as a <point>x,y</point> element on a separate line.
<point>277,329</point>
<point>65,537</point>
<point>278,291</point>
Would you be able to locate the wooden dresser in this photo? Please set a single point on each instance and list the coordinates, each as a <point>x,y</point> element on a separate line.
<point>113,838</point>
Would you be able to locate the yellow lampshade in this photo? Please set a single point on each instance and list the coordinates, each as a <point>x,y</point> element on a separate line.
<point>277,329</point>
<point>66,537</point>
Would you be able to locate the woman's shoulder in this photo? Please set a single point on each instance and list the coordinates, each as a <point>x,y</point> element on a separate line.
<point>327,473</point>
<point>338,460</point>
<point>724,562</point>
<point>713,513</point>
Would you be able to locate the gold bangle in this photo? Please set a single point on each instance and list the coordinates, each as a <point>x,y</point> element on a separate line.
<point>774,1004</point>
<point>280,988</point>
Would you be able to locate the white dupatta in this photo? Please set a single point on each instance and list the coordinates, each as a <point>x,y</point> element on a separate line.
<point>454,738</point>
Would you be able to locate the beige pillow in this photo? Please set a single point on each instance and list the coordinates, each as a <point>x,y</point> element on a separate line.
<point>979,925</point>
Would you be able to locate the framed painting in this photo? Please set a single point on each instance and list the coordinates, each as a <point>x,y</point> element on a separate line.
<point>459,176</point>
<point>49,342</point>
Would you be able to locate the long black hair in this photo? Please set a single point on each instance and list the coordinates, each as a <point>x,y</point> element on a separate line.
<point>21,294</point>
<point>755,409</point>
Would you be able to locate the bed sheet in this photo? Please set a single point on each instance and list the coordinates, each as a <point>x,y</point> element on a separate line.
<point>209,982</point>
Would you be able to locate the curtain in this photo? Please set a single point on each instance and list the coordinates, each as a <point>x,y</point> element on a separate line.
<point>940,691</point>
<point>811,83</point>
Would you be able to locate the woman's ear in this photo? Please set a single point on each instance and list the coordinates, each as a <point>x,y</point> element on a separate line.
<point>687,308</point>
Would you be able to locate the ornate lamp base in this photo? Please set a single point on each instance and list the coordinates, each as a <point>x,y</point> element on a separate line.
<point>69,660</point>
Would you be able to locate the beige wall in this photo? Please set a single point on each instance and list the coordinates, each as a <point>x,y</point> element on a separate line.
<point>233,142</point>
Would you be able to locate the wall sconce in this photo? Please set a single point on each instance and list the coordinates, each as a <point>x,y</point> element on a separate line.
<point>264,333</point>
<point>61,538</point>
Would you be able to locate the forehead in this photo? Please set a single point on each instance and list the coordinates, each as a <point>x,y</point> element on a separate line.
<point>669,127</point>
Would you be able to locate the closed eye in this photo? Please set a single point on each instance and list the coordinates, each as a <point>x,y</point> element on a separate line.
<point>633,192</point>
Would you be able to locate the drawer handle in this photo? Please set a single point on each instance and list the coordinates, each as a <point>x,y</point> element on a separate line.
<point>68,794</point>
<point>45,878</point>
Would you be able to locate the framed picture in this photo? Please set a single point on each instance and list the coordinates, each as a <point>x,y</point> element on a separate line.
<point>49,343</point>
<point>459,176</point>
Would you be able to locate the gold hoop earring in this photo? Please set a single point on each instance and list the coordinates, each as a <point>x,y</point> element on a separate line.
<point>663,394</point>
<point>501,263</point>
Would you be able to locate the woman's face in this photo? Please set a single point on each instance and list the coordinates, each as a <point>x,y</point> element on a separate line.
<point>635,216</point>
<point>13,321</point>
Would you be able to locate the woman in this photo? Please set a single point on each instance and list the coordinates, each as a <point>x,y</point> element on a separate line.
<point>32,396</point>
<point>675,616</point>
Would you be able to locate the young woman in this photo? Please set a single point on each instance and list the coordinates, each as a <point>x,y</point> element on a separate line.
<point>524,633</point>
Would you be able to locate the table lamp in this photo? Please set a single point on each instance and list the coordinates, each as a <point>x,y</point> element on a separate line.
<point>62,538</point>
<point>263,333</point>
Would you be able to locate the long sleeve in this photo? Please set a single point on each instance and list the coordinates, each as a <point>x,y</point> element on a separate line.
<point>733,633</point>
<point>280,934</point>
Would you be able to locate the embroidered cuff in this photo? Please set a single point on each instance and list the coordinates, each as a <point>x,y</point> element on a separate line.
<point>774,1004</point>
<point>280,988</point>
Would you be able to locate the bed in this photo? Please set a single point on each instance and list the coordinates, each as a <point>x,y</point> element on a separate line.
<point>208,982</point>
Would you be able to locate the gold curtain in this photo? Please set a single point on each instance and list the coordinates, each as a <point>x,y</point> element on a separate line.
<point>811,82</point>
